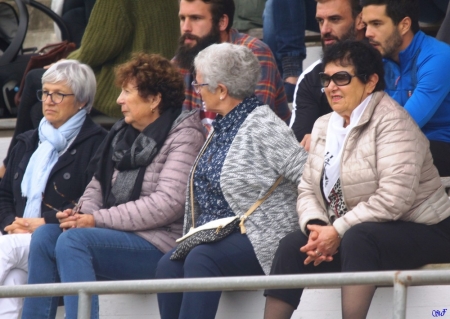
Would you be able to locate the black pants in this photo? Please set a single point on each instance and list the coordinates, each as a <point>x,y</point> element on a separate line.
<point>441,157</point>
<point>366,247</point>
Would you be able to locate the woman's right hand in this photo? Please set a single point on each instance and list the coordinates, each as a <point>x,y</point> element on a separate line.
<point>323,243</point>
<point>306,142</point>
<point>24,225</point>
<point>67,219</point>
<point>16,228</point>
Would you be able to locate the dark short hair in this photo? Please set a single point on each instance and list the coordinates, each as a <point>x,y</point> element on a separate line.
<point>397,10</point>
<point>153,74</point>
<point>219,8</point>
<point>355,5</point>
<point>364,58</point>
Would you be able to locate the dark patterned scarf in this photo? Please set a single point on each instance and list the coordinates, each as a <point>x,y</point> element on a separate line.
<point>130,152</point>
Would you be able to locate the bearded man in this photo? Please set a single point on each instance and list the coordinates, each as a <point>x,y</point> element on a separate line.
<point>205,22</point>
<point>338,20</point>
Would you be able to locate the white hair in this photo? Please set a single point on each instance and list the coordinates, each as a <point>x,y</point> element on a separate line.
<point>78,76</point>
<point>232,65</point>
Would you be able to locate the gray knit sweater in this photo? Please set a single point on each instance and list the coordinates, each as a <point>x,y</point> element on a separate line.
<point>263,149</point>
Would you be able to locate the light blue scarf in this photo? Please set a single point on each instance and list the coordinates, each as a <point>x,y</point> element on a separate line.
<point>52,141</point>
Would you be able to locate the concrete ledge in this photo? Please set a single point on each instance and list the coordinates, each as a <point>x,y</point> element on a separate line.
<point>315,304</point>
<point>8,124</point>
<point>435,267</point>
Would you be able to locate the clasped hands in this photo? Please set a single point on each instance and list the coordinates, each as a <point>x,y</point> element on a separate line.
<point>68,219</point>
<point>323,243</point>
<point>24,225</point>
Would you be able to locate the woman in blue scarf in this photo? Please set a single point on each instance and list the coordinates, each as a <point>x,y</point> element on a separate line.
<point>48,169</point>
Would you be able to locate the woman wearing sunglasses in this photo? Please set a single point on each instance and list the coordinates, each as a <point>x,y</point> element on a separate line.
<point>370,198</point>
<point>56,154</point>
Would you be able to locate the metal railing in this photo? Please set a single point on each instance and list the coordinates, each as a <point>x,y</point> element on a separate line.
<point>400,280</point>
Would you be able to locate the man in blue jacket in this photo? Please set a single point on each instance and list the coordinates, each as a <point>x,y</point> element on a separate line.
<point>416,70</point>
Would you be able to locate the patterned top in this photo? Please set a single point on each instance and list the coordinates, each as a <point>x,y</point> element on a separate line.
<point>336,198</point>
<point>207,190</point>
<point>270,89</point>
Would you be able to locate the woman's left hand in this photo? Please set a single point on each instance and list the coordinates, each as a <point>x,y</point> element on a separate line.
<point>24,225</point>
<point>67,220</point>
<point>322,246</point>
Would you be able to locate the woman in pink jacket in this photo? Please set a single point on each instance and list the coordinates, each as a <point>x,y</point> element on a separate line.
<point>370,197</point>
<point>132,211</point>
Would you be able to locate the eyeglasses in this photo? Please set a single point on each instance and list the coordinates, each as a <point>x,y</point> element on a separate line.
<point>76,208</point>
<point>340,78</point>
<point>197,86</point>
<point>56,97</point>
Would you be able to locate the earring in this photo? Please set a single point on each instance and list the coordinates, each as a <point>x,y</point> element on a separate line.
<point>221,98</point>
<point>80,108</point>
<point>153,110</point>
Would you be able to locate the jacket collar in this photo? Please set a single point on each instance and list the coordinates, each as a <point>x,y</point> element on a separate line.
<point>415,44</point>
<point>368,112</point>
<point>88,129</point>
<point>406,56</point>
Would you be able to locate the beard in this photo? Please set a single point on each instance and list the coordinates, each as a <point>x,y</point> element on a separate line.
<point>185,54</point>
<point>349,35</point>
<point>391,45</point>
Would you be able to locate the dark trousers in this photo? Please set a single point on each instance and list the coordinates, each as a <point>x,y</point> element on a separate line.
<point>232,256</point>
<point>441,157</point>
<point>395,245</point>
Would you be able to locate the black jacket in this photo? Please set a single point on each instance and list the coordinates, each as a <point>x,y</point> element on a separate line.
<point>71,173</point>
<point>310,101</point>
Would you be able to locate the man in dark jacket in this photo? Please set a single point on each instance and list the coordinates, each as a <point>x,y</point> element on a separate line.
<point>338,20</point>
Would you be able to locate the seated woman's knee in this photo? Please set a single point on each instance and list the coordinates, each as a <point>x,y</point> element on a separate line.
<point>45,235</point>
<point>357,234</point>
<point>68,240</point>
<point>292,242</point>
<point>201,262</point>
<point>167,268</point>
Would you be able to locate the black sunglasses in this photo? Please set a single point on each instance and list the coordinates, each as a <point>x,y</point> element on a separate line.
<point>340,78</point>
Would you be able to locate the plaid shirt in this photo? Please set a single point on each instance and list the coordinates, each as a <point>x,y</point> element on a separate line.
<point>270,89</point>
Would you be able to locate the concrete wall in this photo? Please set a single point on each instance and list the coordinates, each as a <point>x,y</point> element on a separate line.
<point>422,303</point>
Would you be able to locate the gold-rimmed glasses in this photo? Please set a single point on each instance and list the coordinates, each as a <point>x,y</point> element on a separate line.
<point>76,208</point>
<point>198,86</point>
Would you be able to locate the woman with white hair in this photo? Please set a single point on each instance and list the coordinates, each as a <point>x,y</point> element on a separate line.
<point>48,168</point>
<point>248,151</point>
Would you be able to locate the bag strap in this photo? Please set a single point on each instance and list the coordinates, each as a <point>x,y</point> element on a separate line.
<point>191,182</point>
<point>250,210</point>
<point>257,203</point>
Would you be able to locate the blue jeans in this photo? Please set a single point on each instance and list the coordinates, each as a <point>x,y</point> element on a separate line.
<point>285,22</point>
<point>232,256</point>
<point>84,254</point>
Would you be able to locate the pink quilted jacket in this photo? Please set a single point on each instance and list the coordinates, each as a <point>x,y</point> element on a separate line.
<point>157,215</point>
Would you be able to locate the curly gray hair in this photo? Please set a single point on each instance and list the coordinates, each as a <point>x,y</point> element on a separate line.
<point>232,65</point>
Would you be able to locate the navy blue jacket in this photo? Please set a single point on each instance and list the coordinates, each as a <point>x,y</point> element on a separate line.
<point>71,173</point>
